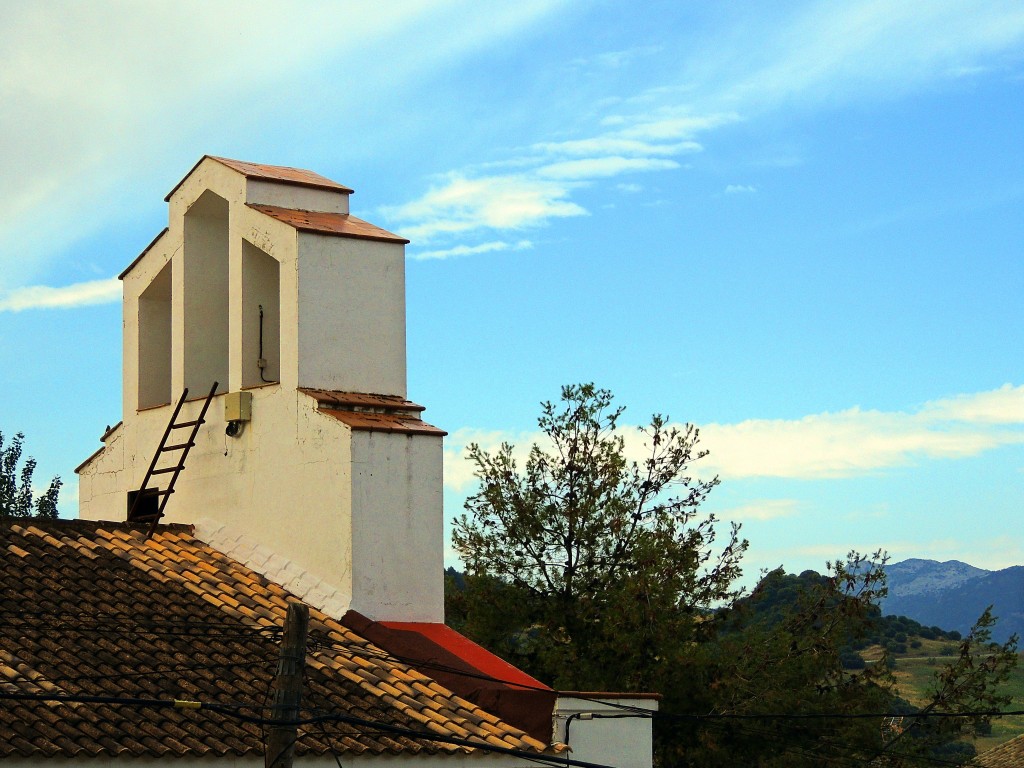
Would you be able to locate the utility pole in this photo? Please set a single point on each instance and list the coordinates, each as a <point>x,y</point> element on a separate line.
<point>280,751</point>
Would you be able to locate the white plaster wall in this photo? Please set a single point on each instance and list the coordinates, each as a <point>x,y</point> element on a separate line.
<point>285,481</point>
<point>280,242</point>
<point>292,196</point>
<point>134,285</point>
<point>397,528</point>
<point>618,741</point>
<point>260,288</point>
<point>207,312</point>
<point>351,297</point>
<point>351,306</point>
<point>154,349</point>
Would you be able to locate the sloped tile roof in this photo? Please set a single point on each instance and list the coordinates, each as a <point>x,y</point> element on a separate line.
<point>282,174</point>
<point>94,609</point>
<point>384,422</point>
<point>279,173</point>
<point>1009,754</point>
<point>332,398</point>
<point>373,413</point>
<point>324,223</point>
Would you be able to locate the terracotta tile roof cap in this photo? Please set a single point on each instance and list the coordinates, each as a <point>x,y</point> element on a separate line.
<point>336,398</point>
<point>278,173</point>
<point>367,421</point>
<point>373,413</point>
<point>1009,754</point>
<point>324,223</point>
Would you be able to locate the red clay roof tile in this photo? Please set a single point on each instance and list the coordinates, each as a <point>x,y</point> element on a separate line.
<point>1009,754</point>
<point>82,613</point>
<point>373,413</point>
<point>321,223</point>
<point>279,173</point>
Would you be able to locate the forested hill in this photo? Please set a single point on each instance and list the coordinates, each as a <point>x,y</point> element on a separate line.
<point>953,594</point>
<point>778,593</point>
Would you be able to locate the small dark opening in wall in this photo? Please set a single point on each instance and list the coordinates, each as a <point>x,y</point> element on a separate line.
<point>148,506</point>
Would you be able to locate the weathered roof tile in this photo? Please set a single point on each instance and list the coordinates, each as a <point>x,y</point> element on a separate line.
<point>114,614</point>
<point>331,224</point>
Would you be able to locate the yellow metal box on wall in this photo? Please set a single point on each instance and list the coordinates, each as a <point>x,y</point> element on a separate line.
<point>238,406</point>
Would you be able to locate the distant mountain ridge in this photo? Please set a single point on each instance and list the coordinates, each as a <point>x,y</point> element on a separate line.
<point>952,595</point>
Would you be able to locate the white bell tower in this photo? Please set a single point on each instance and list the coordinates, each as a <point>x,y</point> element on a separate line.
<point>312,463</point>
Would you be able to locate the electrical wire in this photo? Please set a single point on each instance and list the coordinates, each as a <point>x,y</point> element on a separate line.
<point>327,738</point>
<point>383,655</point>
<point>191,628</point>
<point>123,625</point>
<point>853,754</point>
<point>234,711</point>
<point>640,711</point>
<point>61,681</point>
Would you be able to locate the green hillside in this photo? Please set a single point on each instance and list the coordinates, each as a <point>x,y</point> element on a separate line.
<point>915,670</point>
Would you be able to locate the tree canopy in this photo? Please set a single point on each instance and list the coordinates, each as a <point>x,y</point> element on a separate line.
<point>17,498</point>
<point>593,567</point>
<point>583,535</point>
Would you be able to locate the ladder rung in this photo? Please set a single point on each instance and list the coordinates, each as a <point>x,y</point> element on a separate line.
<point>177,446</point>
<point>181,424</point>
<point>165,470</point>
<point>162,493</point>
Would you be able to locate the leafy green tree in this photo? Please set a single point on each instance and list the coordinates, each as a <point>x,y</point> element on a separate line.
<point>971,682</point>
<point>594,571</point>
<point>16,497</point>
<point>778,652</point>
<point>600,562</point>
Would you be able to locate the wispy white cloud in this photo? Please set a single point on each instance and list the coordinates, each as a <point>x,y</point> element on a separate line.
<point>826,53</point>
<point>760,510</point>
<point>848,443</point>
<point>671,124</point>
<point>106,291</point>
<point>129,93</point>
<point>813,55</point>
<point>468,250</point>
<point>543,177</point>
<point>999,406</point>
<point>614,145</point>
<point>617,59</point>
<point>461,205</point>
<point>855,442</point>
<point>740,189</point>
<point>458,471</point>
<point>601,167</point>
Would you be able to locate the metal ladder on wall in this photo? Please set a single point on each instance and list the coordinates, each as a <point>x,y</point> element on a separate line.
<point>136,515</point>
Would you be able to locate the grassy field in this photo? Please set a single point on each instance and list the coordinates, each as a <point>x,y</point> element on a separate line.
<point>915,672</point>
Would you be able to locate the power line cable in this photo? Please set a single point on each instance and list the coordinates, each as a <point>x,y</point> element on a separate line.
<point>854,754</point>
<point>642,712</point>
<point>233,710</point>
<point>382,655</point>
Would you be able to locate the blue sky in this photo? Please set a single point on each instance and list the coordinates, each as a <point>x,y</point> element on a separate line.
<point>797,225</point>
